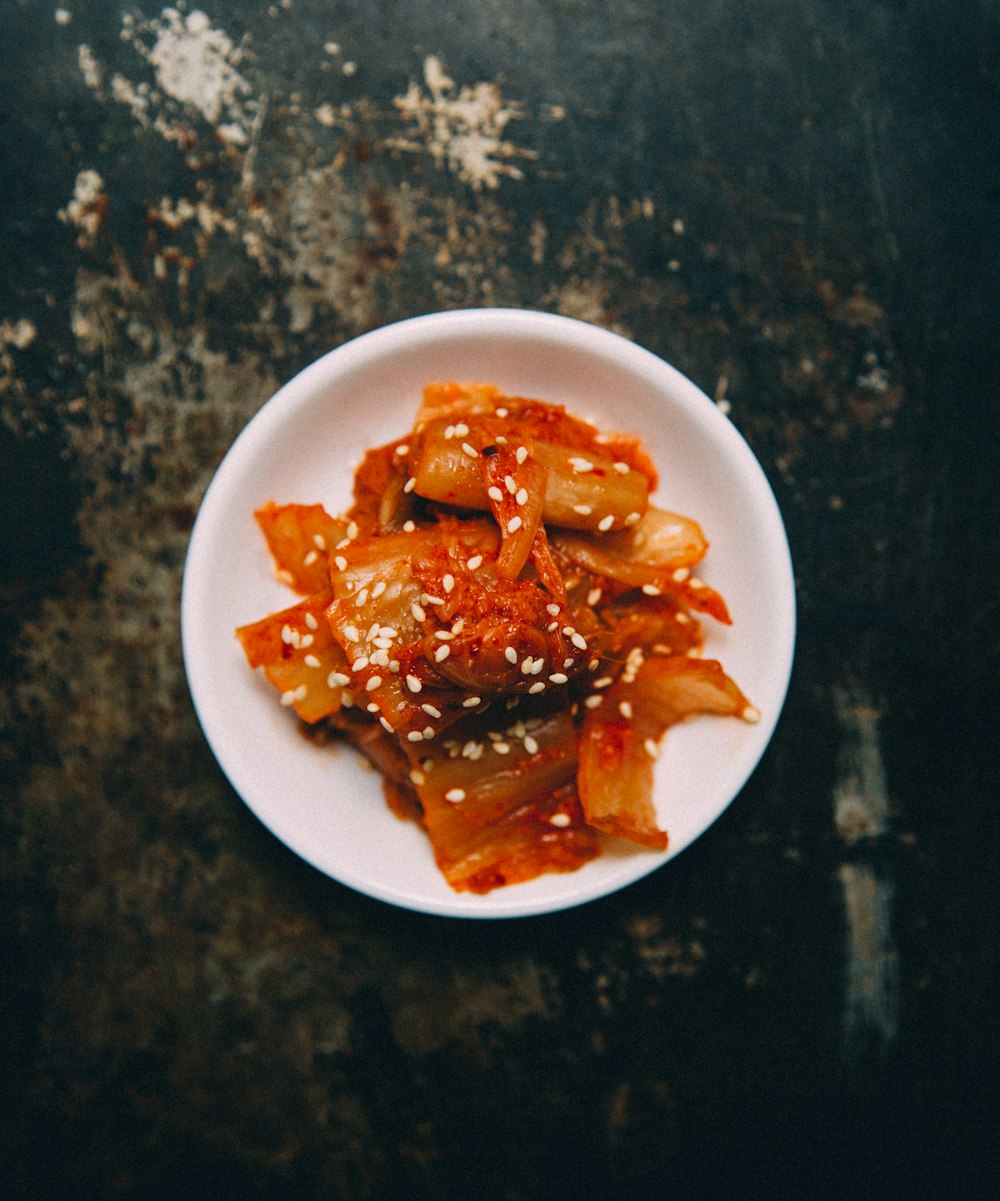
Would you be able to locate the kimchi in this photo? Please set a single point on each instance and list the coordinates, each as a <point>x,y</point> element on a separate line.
<point>505,625</point>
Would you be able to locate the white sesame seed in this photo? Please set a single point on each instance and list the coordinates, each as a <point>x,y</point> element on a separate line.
<point>414,736</point>
<point>593,701</point>
<point>447,582</point>
<point>340,562</point>
<point>603,682</point>
<point>373,683</point>
<point>632,518</point>
<point>751,714</point>
<point>344,542</point>
<point>552,610</point>
<point>458,626</point>
<point>593,596</point>
<point>410,484</point>
<point>372,707</point>
<point>501,412</point>
<point>444,635</point>
<point>360,663</point>
<point>682,619</point>
<point>431,710</point>
<point>471,702</point>
<point>311,622</point>
<point>361,598</point>
<point>494,493</point>
<point>388,632</point>
<point>474,562</point>
<point>449,433</point>
<point>372,632</point>
<point>417,777</point>
<point>552,627</point>
<point>385,724</point>
<point>428,733</point>
<point>558,677</point>
<point>346,700</point>
<point>569,631</point>
<point>537,667</point>
<point>287,634</point>
<point>352,531</point>
<point>461,430</point>
<point>418,612</point>
<point>625,709</point>
<point>526,665</point>
<point>501,748</point>
<point>402,449</point>
<point>470,450</point>
<point>510,484</point>
<point>651,749</point>
<point>378,589</point>
<point>432,600</point>
<point>580,465</point>
<point>409,527</point>
<point>306,641</point>
<point>583,510</point>
<point>379,658</point>
<point>442,653</point>
<point>521,454</point>
<point>510,654</point>
<point>455,795</point>
<point>500,440</point>
<point>530,745</point>
<point>288,698</point>
<point>537,687</point>
<point>311,661</point>
<point>606,523</point>
<point>311,558</point>
<point>695,583</point>
<point>621,468</point>
<point>337,679</point>
<point>652,590</point>
<point>579,641</point>
<point>562,820</point>
<point>514,525</point>
<point>285,577</point>
<point>521,496</point>
<point>413,683</point>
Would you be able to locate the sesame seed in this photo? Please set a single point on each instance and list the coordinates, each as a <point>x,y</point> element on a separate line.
<point>603,682</point>
<point>514,525</point>
<point>510,484</point>
<point>394,666</point>
<point>470,451</point>
<point>409,527</point>
<point>696,583</point>
<point>444,635</point>
<point>474,562</point>
<point>502,748</point>
<point>414,736</point>
<point>455,795</point>
<point>625,709</point>
<point>385,724</point>
<point>537,666</point>
<point>751,714</point>
<point>632,518</point>
<point>594,700</point>
<point>558,677</point>
<point>526,665</point>
<point>402,449</point>
<point>501,412</point>
<point>428,732</point>
<point>494,493</point>
<point>311,622</point>
<point>413,683</point>
<point>461,430</point>
<point>346,700</point>
<point>449,433</point>
<point>311,661</point>
<point>373,683</point>
<point>285,577</point>
<point>311,558</point>
<point>521,496</point>
<point>417,777</point>
<point>418,612</point>
<point>552,610</point>
<point>682,619</point>
<point>471,702</point>
<point>343,543</point>
<point>521,454</point>
<point>442,653</point>
<point>606,523</point>
<point>500,440</point>
<point>352,531</point>
<point>652,590</point>
<point>361,598</point>
<point>372,632</point>
<point>458,626</point>
<point>431,710</point>
<point>287,634</point>
<point>530,745</point>
<point>552,627</point>
<point>306,641</point>
<point>372,707</point>
<point>568,662</point>
<point>680,575</point>
<point>537,687</point>
<point>432,600</point>
<point>340,562</point>
<point>360,663</point>
<point>583,510</point>
<point>410,484</point>
<point>621,468</point>
<point>379,658</point>
<point>562,820</point>
<point>447,582</point>
<point>593,665</point>
<point>510,654</point>
<point>579,641</point>
<point>651,749</point>
<point>337,679</point>
<point>378,589</point>
<point>388,632</point>
<point>593,596</point>
<point>580,465</point>
<point>383,644</point>
<point>288,698</point>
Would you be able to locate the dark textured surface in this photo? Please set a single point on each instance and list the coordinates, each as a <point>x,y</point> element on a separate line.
<point>797,204</point>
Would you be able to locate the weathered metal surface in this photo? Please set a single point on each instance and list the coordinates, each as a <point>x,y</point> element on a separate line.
<point>794,203</point>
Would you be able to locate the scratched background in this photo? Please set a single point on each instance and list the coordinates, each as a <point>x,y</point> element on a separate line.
<point>794,201</point>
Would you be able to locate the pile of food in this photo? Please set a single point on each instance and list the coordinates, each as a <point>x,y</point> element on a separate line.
<point>505,626</point>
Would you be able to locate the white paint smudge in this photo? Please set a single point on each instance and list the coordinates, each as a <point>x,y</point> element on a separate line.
<point>85,210</point>
<point>461,127</point>
<point>861,813</point>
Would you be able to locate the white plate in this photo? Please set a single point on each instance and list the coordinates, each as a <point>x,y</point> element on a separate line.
<point>303,446</point>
